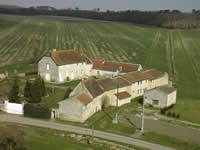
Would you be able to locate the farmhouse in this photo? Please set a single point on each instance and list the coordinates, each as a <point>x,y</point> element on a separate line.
<point>84,101</point>
<point>65,65</point>
<point>163,96</point>
<point>89,96</point>
<point>61,66</point>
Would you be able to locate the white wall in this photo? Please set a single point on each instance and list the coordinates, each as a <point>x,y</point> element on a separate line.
<point>14,108</point>
<point>74,71</point>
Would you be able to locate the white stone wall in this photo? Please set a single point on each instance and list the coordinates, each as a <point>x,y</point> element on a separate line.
<point>159,82</point>
<point>92,108</point>
<point>171,99</point>
<point>74,110</point>
<point>103,73</point>
<point>139,87</point>
<point>165,100</point>
<point>111,94</point>
<point>74,71</point>
<point>71,110</point>
<point>108,74</point>
<point>13,108</point>
<point>155,95</point>
<point>124,101</point>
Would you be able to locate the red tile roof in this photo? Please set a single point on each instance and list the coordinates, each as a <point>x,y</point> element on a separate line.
<point>123,95</point>
<point>93,87</point>
<point>113,66</point>
<point>111,84</point>
<point>84,98</point>
<point>63,57</point>
<point>151,74</point>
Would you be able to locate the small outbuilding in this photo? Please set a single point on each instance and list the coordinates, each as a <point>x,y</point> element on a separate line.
<point>160,97</point>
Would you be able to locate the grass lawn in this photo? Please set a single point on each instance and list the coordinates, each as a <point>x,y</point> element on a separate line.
<point>36,138</point>
<point>169,141</point>
<point>53,98</point>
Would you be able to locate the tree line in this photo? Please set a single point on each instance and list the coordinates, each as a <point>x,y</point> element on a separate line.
<point>163,18</point>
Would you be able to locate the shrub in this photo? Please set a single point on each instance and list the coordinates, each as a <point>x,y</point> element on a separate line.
<point>162,111</point>
<point>37,111</point>
<point>177,116</point>
<point>14,92</point>
<point>69,90</point>
<point>31,73</point>
<point>169,114</point>
<point>174,114</point>
<point>139,99</point>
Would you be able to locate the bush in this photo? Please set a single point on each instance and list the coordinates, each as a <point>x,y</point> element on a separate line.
<point>31,73</point>
<point>169,114</point>
<point>174,114</point>
<point>69,90</point>
<point>177,116</point>
<point>139,99</point>
<point>162,111</point>
<point>37,111</point>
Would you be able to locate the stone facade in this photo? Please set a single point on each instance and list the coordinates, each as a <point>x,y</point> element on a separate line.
<point>50,74</point>
<point>160,98</point>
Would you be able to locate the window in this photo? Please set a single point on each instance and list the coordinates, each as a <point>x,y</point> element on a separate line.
<point>155,102</point>
<point>48,67</point>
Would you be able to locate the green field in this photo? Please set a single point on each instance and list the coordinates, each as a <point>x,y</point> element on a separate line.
<point>173,51</point>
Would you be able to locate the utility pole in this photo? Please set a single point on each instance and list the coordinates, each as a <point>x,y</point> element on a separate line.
<point>142,128</point>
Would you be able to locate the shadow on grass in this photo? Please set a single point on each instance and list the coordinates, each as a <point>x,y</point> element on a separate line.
<point>107,114</point>
<point>129,120</point>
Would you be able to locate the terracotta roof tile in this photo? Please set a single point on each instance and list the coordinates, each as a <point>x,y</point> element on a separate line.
<point>93,87</point>
<point>113,66</point>
<point>110,84</point>
<point>151,74</point>
<point>63,57</point>
<point>123,95</point>
<point>84,98</point>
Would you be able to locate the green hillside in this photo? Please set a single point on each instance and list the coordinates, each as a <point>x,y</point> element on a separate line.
<point>24,40</point>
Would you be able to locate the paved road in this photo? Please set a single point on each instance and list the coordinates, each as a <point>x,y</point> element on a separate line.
<point>79,130</point>
<point>162,127</point>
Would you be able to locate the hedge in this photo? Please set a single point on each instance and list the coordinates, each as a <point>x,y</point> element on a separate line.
<point>37,111</point>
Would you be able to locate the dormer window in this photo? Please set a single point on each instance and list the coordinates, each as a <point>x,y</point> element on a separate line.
<point>48,67</point>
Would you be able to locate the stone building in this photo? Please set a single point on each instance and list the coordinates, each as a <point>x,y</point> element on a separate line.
<point>161,97</point>
<point>65,65</point>
<point>110,87</point>
<point>83,102</point>
<point>145,80</point>
<point>61,66</point>
<point>116,91</point>
<point>109,68</point>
